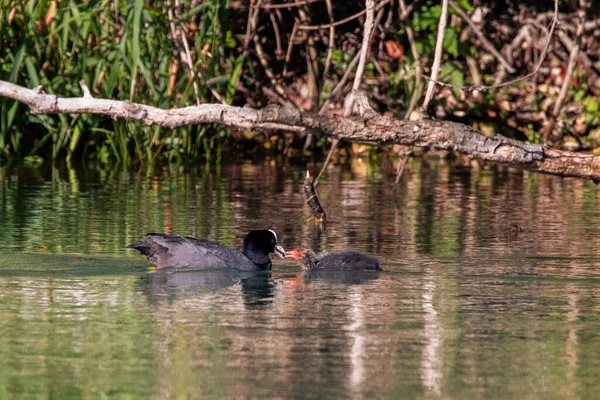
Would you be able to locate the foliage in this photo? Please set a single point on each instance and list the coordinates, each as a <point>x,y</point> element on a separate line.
<point>123,50</point>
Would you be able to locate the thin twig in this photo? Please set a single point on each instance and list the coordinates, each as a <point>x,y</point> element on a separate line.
<point>330,46</point>
<point>312,64</point>
<point>278,48</point>
<point>288,54</point>
<point>263,61</point>
<point>368,30</point>
<point>523,34</point>
<point>252,20</point>
<point>435,68</point>
<point>486,43</point>
<point>571,66</point>
<point>346,75</point>
<point>564,89</point>
<point>513,81</point>
<point>288,5</point>
<point>341,83</point>
<point>592,76</point>
<point>380,5</point>
<point>416,60</point>
<point>186,57</point>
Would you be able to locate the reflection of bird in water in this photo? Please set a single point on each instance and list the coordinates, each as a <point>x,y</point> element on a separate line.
<point>340,277</point>
<point>342,261</point>
<point>255,285</point>
<point>191,253</point>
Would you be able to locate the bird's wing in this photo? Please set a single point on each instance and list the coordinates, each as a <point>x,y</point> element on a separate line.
<point>187,252</point>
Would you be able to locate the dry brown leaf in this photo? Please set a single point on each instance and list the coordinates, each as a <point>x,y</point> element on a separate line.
<point>394,49</point>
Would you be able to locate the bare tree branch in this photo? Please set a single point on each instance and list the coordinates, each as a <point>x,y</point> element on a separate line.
<point>372,128</point>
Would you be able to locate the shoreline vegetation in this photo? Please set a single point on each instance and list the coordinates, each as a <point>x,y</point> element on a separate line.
<point>483,70</point>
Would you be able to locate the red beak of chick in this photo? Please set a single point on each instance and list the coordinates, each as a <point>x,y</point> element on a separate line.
<point>296,253</point>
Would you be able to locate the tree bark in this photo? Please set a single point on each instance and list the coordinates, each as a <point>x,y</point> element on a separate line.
<point>371,127</point>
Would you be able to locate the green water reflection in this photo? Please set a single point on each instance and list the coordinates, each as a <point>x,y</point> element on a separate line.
<point>464,309</point>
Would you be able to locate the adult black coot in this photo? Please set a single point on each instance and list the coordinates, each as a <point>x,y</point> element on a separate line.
<point>342,261</point>
<point>191,253</point>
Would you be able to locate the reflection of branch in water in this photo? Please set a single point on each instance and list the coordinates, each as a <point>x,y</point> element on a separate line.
<point>569,390</point>
<point>431,364</point>
<point>357,352</point>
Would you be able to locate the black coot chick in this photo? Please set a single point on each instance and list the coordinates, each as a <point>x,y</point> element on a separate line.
<point>191,253</point>
<point>342,261</point>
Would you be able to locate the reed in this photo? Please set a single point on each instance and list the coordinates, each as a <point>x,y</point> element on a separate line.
<point>124,50</point>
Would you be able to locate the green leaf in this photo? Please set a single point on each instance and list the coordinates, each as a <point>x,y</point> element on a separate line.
<point>452,73</point>
<point>74,140</point>
<point>451,41</point>
<point>465,4</point>
<point>186,15</point>
<point>12,112</point>
<point>230,40</point>
<point>17,62</point>
<point>217,80</point>
<point>427,18</point>
<point>233,79</point>
<point>591,105</point>
<point>31,70</point>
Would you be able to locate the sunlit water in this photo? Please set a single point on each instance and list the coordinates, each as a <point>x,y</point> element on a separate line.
<point>463,309</point>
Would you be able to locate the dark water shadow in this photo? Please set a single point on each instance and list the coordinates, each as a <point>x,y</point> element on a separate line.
<point>341,277</point>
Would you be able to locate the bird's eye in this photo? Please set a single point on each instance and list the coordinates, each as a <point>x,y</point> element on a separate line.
<point>272,241</point>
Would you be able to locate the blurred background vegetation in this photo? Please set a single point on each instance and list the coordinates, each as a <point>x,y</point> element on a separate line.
<point>257,53</point>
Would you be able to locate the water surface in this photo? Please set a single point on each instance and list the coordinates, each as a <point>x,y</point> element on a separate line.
<point>464,308</point>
